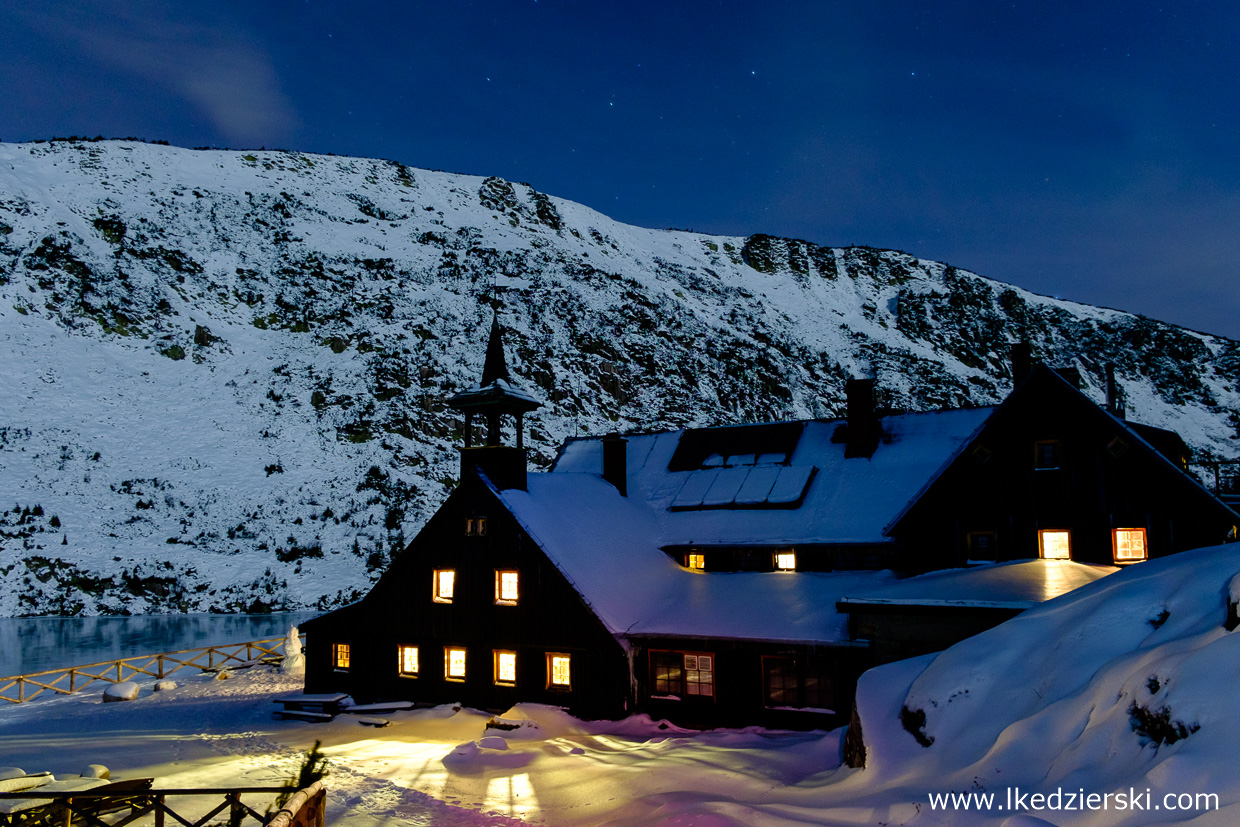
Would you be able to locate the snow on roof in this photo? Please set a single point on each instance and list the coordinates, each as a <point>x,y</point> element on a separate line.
<point>844,500</point>
<point>608,546</point>
<point>1020,584</point>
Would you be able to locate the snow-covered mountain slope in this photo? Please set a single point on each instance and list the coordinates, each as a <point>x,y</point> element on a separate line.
<point>1122,685</point>
<point>225,373</point>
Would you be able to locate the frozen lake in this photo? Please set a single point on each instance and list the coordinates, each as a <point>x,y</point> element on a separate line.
<point>35,644</point>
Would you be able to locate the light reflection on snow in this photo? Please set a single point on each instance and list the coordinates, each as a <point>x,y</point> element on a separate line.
<point>511,795</point>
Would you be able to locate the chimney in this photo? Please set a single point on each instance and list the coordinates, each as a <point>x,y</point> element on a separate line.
<point>615,462</point>
<point>862,423</point>
<point>1114,406</point>
<point>1022,361</point>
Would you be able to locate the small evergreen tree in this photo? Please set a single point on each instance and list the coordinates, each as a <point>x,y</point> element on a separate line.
<point>313,768</point>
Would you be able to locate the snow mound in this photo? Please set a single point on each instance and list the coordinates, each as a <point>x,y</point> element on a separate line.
<point>1122,683</point>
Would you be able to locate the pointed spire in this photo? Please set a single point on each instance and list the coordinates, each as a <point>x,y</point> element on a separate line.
<point>494,367</point>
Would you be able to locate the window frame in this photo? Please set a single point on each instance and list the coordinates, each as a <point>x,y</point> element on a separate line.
<point>436,586</point>
<point>695,561</point>
<point>1115,546</point>
<point>475,526</point>
<point>970,546</point>
<point>401,648</point>
<point>785,559</point>
<point>684,680</point>
<point>497,656</point>
<point>551,682</point>
<point>800,669</point>
<point>1042,532</point>
<point>447,664</point>
<point>341,657</point>
<point>500,599</point>
<point>1056,454</point>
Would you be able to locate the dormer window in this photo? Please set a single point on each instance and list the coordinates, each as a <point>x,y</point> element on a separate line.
<point>696,562</point>
<point>507,589</point>
<point>1046,454</point>
<point>444,585</point>
<point>785,560</point>
<point>1055,544</point>
<point>1129,545</point>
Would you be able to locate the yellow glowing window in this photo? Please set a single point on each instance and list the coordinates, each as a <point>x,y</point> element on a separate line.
<point>407,660</point>
<point>1129,545</point>
<point>505,667</point>
<point>785,561</point>
<point>340,655</point>
<point>697,561</point>
<point>445,583</point>
<point>454,663</point>
<point>506,587</point>
<point>558,676</point>
<point>475,526</point>
<point>1055,544</point>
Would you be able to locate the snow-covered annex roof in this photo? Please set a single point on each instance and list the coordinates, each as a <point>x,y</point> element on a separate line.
<point>609,546</point>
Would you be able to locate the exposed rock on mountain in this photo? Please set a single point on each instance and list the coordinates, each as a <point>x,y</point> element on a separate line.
<point>225,373</point>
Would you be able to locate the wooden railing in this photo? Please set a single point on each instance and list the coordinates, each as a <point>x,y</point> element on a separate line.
<point>116,809</point>
<point>17,688</point>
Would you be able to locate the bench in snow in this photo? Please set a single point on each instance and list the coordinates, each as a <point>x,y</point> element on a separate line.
<point>324,705</point>
<point>382,708</point>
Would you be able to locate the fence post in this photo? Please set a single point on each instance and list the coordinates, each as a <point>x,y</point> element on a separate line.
<point>67,819</point>
<point>21,689</point>
<point>159,811</point>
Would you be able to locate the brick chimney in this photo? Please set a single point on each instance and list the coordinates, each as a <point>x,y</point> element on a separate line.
<point>615,462</point>
<point>863,432</point>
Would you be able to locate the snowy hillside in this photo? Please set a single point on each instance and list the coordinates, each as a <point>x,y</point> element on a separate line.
<point>1121,685</point>
<point>225,373</point>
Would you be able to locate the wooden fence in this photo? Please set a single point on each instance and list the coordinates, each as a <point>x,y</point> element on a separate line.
<point>103,808</point>
<point>20,688</point>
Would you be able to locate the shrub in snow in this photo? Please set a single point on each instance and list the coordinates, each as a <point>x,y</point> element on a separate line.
<point>161,686</point>
<point>1156,724</point>
<point>96,771</point>
<point>123,691</point>
<point>914,723</point>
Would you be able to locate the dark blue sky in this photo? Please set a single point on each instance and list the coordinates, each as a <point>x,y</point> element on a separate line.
<point>1088,150</point>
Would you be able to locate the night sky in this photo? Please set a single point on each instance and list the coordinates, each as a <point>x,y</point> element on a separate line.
<point>1086,150</point>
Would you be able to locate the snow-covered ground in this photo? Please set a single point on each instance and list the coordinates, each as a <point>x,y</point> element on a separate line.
<point>1125,686</point>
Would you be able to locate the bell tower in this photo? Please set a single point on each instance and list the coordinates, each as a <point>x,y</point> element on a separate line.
<point>492,399</point>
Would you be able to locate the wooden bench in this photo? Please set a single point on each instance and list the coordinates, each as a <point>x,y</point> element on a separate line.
<point>314,708</point>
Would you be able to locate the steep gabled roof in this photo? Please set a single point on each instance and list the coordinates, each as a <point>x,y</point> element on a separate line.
<point>1044,377</point>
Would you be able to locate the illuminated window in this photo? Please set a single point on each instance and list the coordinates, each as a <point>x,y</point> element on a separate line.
<point>558,676</point>
<point>1046,454</point>
<point>407,661</point>
<point>445,583</point>
<point>340,655</point>
<point>506,590</point>
<point>1129,544</point>
<point>476,526</point>
<point>681,674</point>
<point>505,667</point>
<point>454,663</point>
<point>786,560</point>
<point>982,546</point>
<point>1055,544</point>
<point>697,561</point>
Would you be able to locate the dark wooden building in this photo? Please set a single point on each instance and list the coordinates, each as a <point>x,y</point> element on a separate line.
<point>744,574</point>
